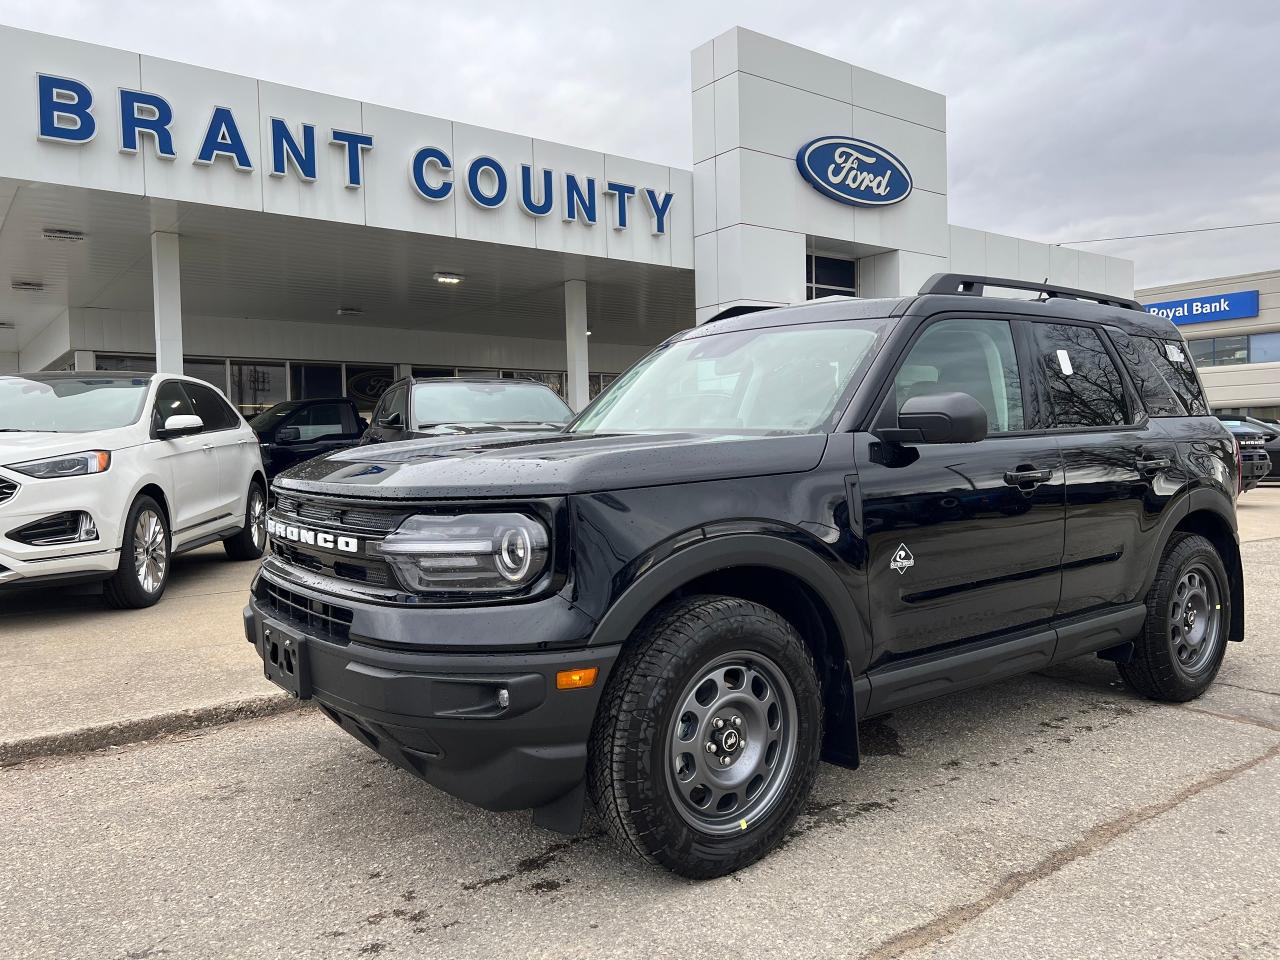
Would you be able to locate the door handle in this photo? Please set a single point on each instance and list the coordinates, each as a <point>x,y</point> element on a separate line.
<point>1024,476</point>
<point>1149,464</point>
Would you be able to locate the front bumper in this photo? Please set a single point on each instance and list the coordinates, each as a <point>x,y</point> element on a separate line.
<point>23,564</point>
<point>1255,467</point>
<point>440,715</point>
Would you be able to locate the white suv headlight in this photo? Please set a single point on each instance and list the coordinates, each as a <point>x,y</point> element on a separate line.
<point>472,553</point>
<point>70,465</point>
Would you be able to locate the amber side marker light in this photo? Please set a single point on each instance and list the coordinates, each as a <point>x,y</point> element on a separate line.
<point>573,679</point>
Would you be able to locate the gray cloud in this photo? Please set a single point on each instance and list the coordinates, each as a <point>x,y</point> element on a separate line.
<point>1066,121</point>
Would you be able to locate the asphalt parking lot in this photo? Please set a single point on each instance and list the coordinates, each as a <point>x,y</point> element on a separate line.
<point>1055,815</point>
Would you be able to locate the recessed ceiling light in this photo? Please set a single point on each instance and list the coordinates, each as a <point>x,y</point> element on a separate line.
<point>27,286</point>
<point>588,333</point>
<point>350,312</point>
<point>449,278</point>
<point>65,236</point>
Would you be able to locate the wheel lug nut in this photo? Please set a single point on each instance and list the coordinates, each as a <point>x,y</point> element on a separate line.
<point>717,723</point>
<point>725,761</point>
<point>711,747</point>
<point>736,721</point>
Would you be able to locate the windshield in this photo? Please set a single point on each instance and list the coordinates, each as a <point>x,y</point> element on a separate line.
<point>773,380</point>
<point>459,401</point>
<point>70,405</point>
<point>273,415</point>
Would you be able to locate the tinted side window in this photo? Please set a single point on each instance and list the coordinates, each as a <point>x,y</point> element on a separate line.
<point>323,421</point>
<point>1171,359</point>
<point>976,357</point>
<point>1156,395</point>
<point>171,401</point>
<point>210,407</point>
<point>1085,386</point>
<point>396,404</point>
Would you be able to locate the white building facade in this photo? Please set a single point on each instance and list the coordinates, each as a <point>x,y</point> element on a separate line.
<point>1232,325</point>
<point>283,243</point>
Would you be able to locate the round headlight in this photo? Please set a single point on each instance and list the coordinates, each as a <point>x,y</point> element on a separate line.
<point>515,554</point>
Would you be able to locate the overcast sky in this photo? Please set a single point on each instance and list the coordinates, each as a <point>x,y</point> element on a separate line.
<point>1067,121</point>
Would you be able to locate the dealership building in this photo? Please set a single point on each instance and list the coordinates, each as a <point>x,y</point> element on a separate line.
<point>283,243</point>
<point>1232,325</point>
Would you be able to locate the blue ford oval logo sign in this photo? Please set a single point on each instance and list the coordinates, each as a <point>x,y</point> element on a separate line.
<point>854,171</point>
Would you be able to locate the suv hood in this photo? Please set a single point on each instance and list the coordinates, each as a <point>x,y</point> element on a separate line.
<point>548,464</point>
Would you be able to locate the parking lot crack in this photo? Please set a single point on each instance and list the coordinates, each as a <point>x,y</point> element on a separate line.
<point>1099,837</point>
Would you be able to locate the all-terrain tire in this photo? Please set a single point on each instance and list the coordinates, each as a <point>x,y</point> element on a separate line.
<point>633,776</point>
<point>1182,644</point>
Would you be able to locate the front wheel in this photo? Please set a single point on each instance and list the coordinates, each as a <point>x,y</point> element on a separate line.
<point>1188,613</point>
<point>143,571</point>
<point>707,740</point>
<point>249,542</point>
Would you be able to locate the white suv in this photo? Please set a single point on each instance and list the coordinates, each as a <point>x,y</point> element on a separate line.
<point>105,476</point>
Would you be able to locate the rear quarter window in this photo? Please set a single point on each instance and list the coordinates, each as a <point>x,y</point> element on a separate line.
<point>1157,395</point>
<point>1173,360</point>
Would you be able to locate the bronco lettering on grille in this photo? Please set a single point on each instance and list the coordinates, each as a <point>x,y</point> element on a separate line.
<point>314,538</point>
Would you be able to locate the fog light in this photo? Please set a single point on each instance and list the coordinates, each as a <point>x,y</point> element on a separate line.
<point>573,679</point>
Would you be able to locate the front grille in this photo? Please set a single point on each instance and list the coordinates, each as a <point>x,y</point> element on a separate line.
<point>360,519</point>
<point>319,618</point>
<point>7,489</point>
<point>334,516</point>
<point>358,569</point>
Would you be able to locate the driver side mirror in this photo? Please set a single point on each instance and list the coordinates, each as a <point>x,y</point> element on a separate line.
<point>392,421</point>
<point>288,435</point>
<point>180,425</point>
<point>939,418</point>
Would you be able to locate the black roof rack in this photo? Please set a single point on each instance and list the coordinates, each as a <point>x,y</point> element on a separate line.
<point>972,286</point>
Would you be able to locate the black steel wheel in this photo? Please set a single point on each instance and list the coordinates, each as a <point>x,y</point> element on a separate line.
<point>1188,613</point>
<point>707,739</point>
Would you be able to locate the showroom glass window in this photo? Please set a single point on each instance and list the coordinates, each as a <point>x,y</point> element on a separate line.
<point>367,384</point>
<point>256,385</point>
<point>315,381</point>
<point>210,371</point>
<point>828,276</point>
<point>1085,386</point>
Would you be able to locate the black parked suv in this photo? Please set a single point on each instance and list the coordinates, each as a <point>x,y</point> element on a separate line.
<point>773,526</point>
<point>297,430</point>
<point>418,407</point>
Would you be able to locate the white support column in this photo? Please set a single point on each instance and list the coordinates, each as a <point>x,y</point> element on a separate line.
<point>575,339</point>
<point>84,360</point>
<point>166,291</point>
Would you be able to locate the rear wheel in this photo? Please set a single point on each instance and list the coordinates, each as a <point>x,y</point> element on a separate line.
<point>707,740</point>
<point>249,542</point>
<point>140,578</point>
<point>1188,612</point>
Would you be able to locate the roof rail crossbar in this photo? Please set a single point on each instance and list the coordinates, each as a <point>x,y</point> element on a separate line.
<point>972,285</point>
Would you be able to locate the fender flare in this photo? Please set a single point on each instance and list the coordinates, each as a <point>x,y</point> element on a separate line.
<point>737,550</point>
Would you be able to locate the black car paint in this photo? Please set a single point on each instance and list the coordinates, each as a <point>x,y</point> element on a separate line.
<point>1008,575</point>
<point>384,429</point>
<point>279,455</point>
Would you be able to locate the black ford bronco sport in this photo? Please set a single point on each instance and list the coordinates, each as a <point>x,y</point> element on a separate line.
<point>773,526</point>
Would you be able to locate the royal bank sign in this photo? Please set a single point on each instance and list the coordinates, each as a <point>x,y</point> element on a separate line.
<point>65,115</point>
<point>854,172</point>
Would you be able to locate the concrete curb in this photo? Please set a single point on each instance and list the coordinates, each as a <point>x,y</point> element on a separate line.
<point>124,732</point>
